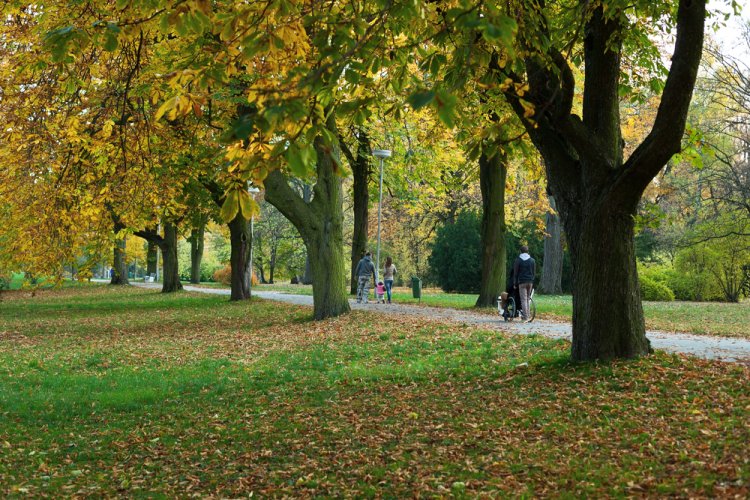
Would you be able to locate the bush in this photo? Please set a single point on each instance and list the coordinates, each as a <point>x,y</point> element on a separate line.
<point>224,275</point>
<point>455,259</point>
<point>658,273</point>
<point>207,270</point>
<point>653,290</point>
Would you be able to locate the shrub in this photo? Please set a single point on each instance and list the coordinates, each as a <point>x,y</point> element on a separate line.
<point>455,259</point>
<point>658,273</point>
<point>653,290</point>
<point>224,275</point>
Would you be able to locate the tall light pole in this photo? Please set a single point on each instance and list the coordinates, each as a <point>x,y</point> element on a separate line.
<point>382,154</point>
<point>252,190</point>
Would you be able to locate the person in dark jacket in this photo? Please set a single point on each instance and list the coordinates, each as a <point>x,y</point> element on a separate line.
<point>365,269</point>
<point>524,270</point>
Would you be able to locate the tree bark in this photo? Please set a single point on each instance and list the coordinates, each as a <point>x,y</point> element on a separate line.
<point>551,280</point>
<point>119,265</point>
<point>492,173</point>
<point>241,241</point>
<point>170,265</point>
<point>361,169</point>
<point>320,222</point>
<point>607,314</point>
<point>152,258</point>
<point>196,253</point>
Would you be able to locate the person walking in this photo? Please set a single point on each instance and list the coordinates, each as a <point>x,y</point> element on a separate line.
<point>524,270</point>
<point>365,269</point>
<point>388,272</point>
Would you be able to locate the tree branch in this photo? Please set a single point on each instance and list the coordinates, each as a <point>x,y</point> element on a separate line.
<point>666,134</point>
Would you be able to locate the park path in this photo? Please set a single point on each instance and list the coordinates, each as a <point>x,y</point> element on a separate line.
<point>703,346</point>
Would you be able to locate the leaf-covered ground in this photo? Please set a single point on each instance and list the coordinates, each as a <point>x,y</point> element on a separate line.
<point>127,392</point>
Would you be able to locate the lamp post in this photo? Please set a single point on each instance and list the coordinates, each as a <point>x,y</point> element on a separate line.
<point>252,190</point>
<point>382,154</point>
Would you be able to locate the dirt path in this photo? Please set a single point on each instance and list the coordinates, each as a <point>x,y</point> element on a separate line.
<point>703,346</point>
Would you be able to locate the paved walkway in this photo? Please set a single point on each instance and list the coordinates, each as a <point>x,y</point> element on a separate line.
<point>702,346</point>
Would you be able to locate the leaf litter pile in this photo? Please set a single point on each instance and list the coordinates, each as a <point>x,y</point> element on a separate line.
<point>108,391</point>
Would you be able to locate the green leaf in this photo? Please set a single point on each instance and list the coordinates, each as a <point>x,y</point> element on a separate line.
<point>247,205</point>
<point>230,207</point>
<point>110,42</point>
<point>446,108</point>
<point>296,161</point>
<point>420,99</point>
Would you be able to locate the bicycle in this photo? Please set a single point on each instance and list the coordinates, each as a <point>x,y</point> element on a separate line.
<point>511,309</point>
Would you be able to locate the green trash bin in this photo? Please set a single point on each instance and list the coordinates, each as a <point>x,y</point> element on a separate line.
<point>416,287</point>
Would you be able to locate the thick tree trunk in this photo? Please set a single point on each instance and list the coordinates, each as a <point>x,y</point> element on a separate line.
<point>328,273</point>
<point>171,272</point>
<point>196,253</point>
<point>608,318</point>
<point>120,276</point>
<point>241,241</point>
<point>551,280</point>
<point>492,174</point>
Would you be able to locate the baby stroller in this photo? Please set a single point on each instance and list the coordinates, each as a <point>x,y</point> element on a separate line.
<point>509,301</point>
<point>508,304</point>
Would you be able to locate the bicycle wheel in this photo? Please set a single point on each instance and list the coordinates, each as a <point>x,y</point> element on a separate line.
<point>532,310</point>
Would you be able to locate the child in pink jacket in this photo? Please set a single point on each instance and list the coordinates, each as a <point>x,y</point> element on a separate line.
<point>380,291</point>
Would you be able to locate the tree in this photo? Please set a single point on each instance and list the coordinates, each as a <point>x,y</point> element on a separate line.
<point>168,246</point>
<point>320,222</point>
<point>596,189</point>
<point>551,281</point>
<point>360,163</point>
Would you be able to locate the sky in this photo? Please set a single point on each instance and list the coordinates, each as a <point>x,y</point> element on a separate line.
<point>730,36</point>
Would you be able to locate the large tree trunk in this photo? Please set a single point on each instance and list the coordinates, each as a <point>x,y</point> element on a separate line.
<point>607,313</point>
<point>327,265</point>
<point>196,253</point>
<point>241,240</point>
<point>120,276</point>
<point>492,174</point>
<point>320,222</point>
<point>171,271</point>
<point>551,280</point>
<point>152,258</point>
<point>361,168</point>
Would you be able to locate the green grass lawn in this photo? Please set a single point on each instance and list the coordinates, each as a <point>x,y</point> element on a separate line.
<point>108,391</point>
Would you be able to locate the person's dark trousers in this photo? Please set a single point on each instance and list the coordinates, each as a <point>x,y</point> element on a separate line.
<point>388,286</point>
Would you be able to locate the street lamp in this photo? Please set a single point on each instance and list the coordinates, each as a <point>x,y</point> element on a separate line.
<point>382,154</point>
<point>252,190</point>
